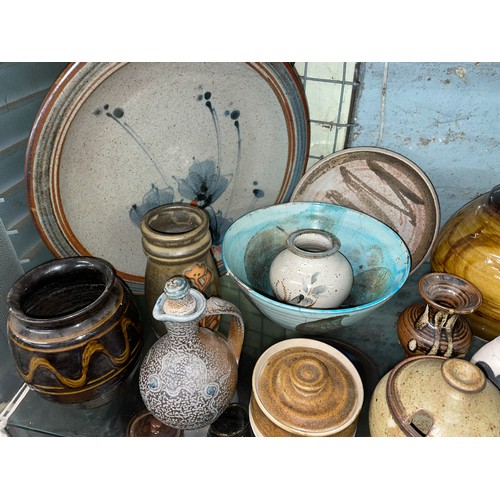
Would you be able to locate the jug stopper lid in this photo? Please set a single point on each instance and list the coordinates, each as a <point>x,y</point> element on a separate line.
<point>176,288</point>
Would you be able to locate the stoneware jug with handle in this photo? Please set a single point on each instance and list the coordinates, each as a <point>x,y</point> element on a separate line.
<point>190,374</point>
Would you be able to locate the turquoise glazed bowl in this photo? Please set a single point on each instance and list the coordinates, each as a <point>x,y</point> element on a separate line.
<point>380,260</point>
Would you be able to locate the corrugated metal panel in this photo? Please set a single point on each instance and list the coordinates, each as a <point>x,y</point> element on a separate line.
<point>9,166</point>
<point>23,87</point>
<point>10,272</point>
<point>20,80</point>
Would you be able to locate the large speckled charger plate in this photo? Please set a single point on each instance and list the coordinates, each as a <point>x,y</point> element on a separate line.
<point>114,140</point>
<point>380,183</point>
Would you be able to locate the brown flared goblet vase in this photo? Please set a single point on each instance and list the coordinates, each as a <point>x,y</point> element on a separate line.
<point>437,325</point>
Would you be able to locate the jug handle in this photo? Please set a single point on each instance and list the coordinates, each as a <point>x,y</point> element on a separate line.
<point>236,334</point>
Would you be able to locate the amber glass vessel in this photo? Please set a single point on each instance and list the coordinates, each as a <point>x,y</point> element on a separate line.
<point>468,245</point>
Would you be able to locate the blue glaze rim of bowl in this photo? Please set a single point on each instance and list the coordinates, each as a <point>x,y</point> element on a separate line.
<point>316,311</point>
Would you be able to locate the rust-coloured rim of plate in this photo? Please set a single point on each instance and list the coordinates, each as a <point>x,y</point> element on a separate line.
<point>81,78</point>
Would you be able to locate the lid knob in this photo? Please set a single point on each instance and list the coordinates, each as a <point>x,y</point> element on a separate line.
<point>309,375</point>
<point>463,375</point>
<point>178,300</point>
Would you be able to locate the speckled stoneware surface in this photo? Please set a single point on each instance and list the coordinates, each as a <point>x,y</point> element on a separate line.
<point>379,258</point>
<point>436,397</point>
<point>304,387</point>
<point>380,183</point>
<point>114,140</point>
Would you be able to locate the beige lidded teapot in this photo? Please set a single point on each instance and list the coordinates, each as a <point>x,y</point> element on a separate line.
<point>434,396</point>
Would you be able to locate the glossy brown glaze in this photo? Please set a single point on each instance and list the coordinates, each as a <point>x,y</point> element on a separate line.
<point>74,330</point>
<point>468,245</point>
<point>437,325</point>
<point>145,425</point>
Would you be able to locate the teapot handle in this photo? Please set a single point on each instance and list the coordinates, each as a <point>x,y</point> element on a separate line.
<point>494,197</point>
<point>236,334</point>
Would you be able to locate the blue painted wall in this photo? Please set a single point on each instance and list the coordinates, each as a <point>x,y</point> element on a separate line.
<point>445,117</point>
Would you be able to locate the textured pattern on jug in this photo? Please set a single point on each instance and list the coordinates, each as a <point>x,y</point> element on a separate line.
<point>190,386</point>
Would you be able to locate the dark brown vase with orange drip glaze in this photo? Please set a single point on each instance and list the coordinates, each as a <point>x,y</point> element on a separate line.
<point>74,331</point>
<point>468,246</point>
<point>437,325</point>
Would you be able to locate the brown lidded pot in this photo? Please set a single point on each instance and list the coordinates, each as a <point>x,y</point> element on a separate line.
<point>434,396</point>
<point>305,387</point>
